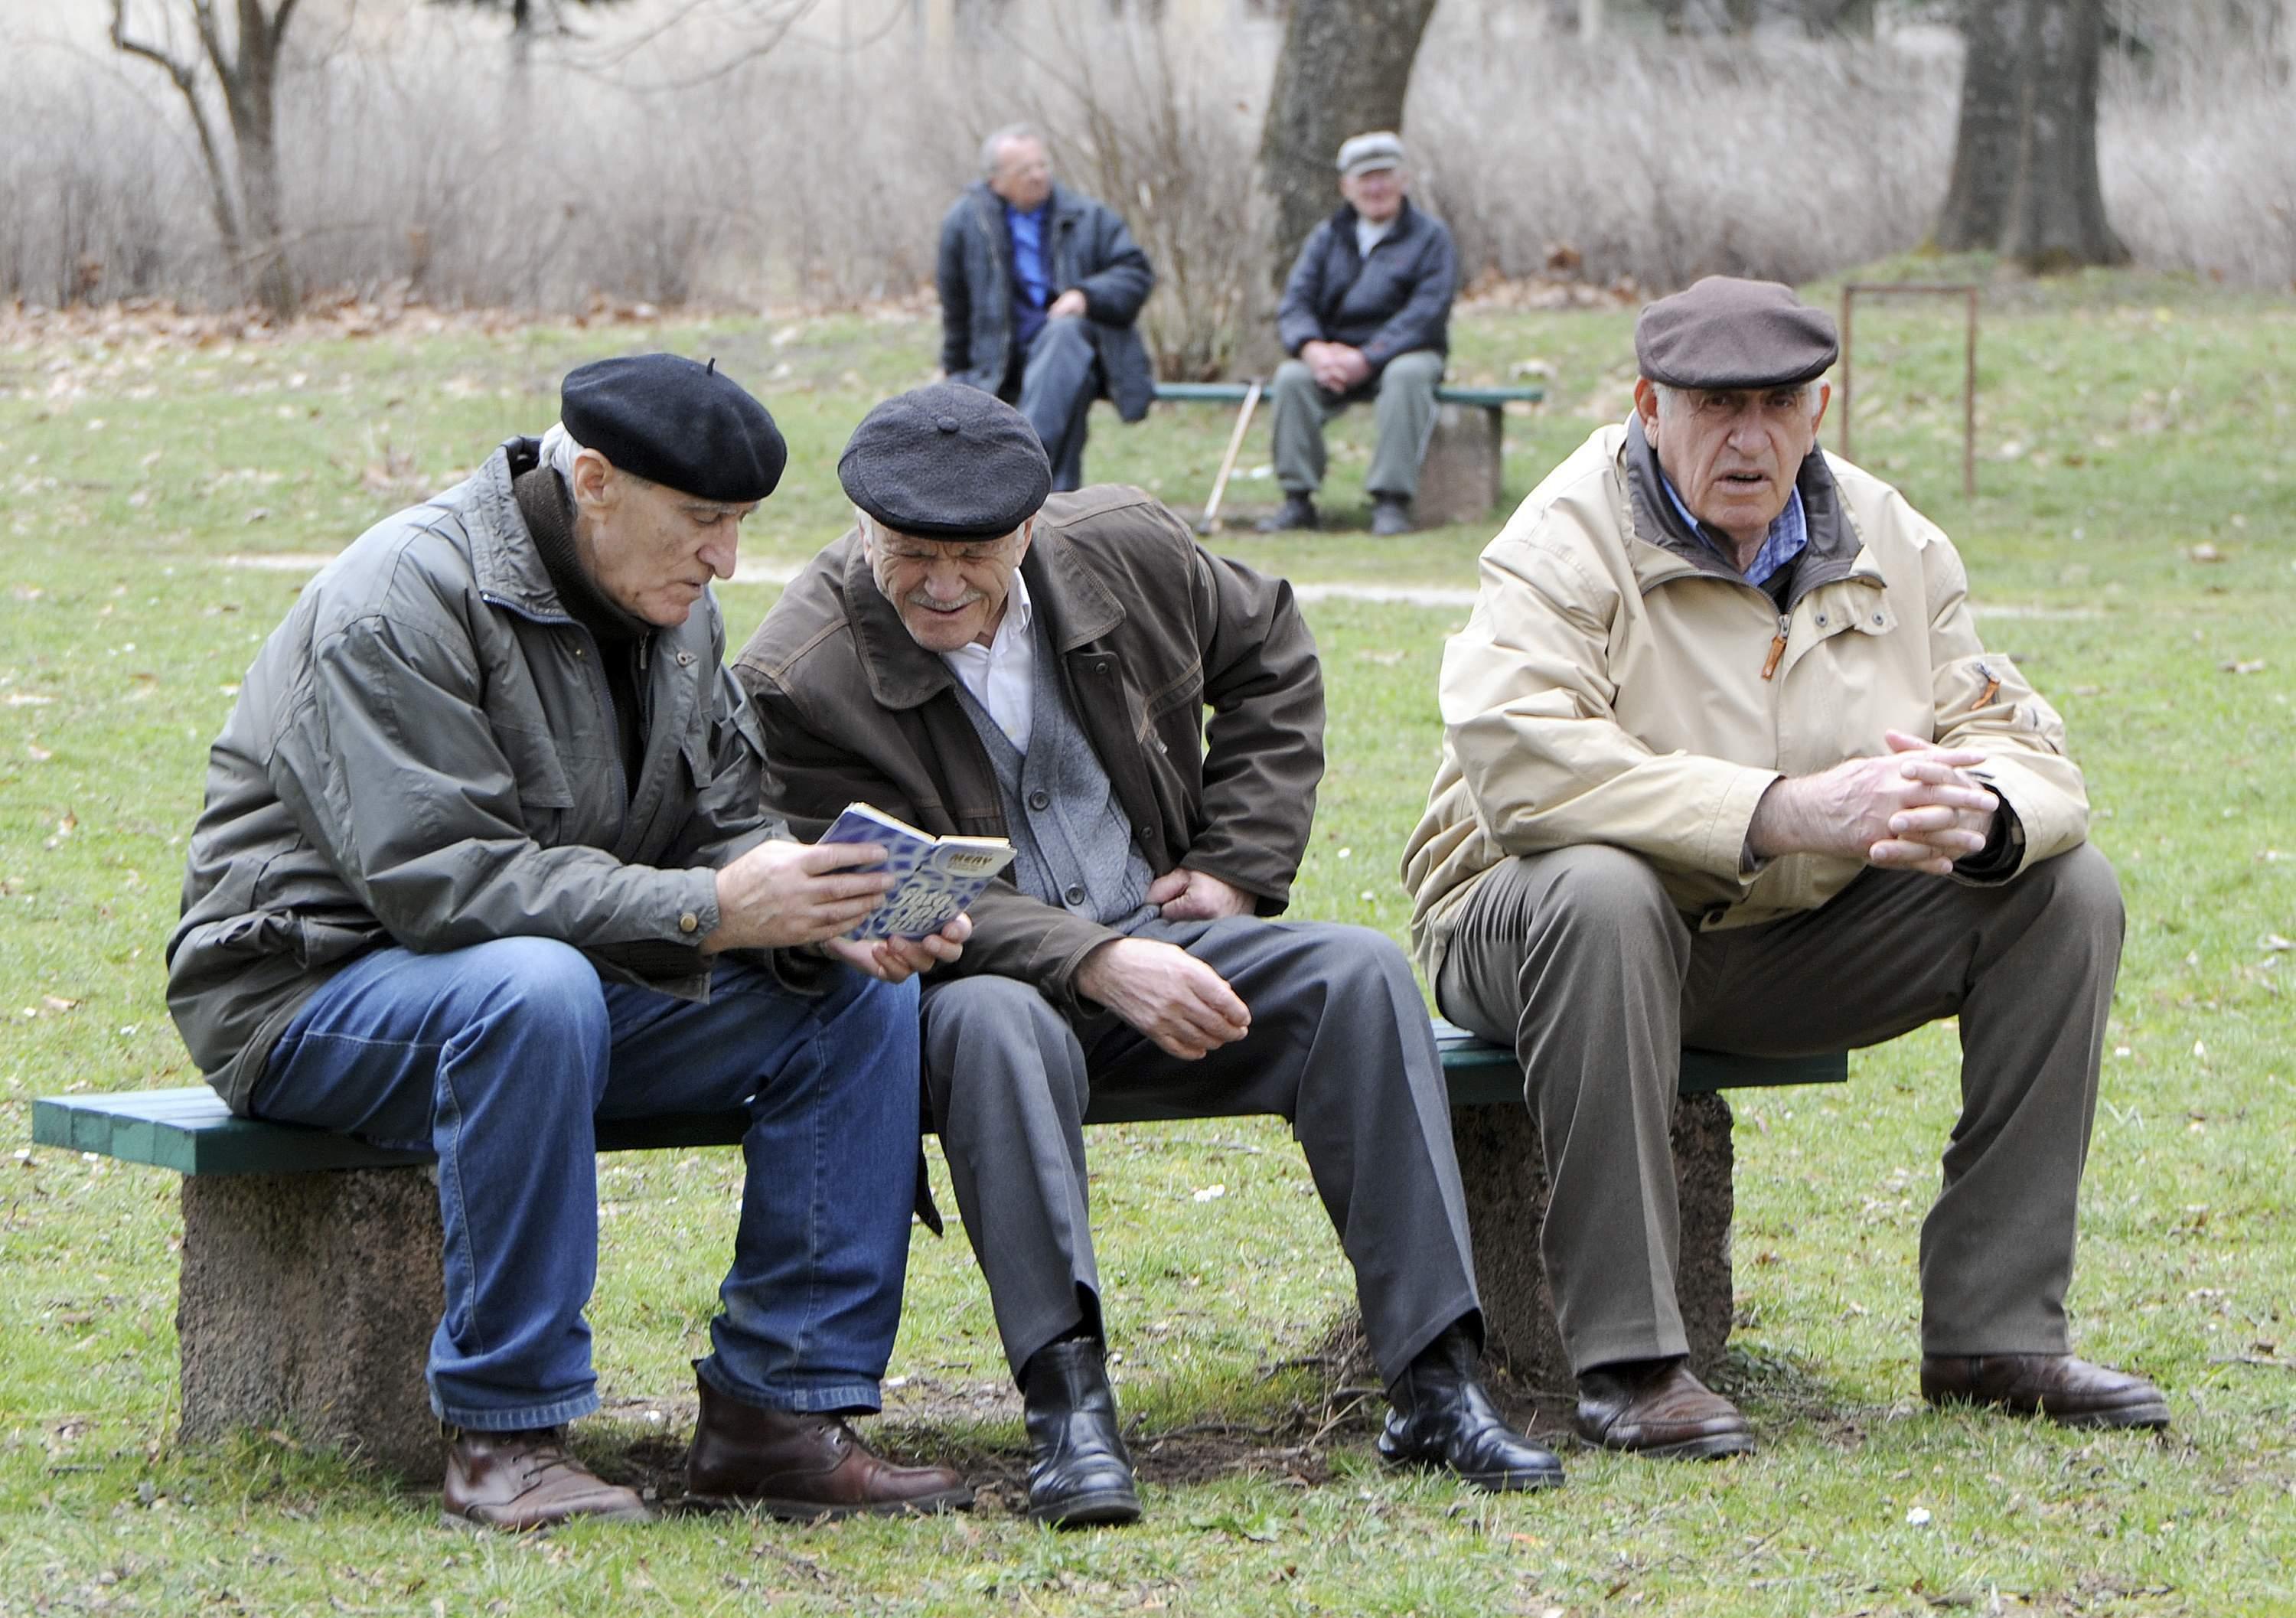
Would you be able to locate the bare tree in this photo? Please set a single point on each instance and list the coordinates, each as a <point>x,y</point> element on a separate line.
<point>2024,171</point>
<point>241,51</point>
<point>1345,67</point>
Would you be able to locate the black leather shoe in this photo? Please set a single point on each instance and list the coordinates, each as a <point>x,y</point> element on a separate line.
<point>1079,1475</point>
<point>1657,1408</point>
<point>2065,1389</point>
<point>1391,515</point>
<point>1298,511</point>
<point>1442,1418</point>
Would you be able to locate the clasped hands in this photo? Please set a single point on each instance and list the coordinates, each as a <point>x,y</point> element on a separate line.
<point>783,895</point>
<point>1338,367</point>
<point>1916,808</point>
<point>1181,1004</point>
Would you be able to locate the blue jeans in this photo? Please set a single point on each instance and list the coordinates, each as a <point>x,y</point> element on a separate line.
<point>499,1057</point>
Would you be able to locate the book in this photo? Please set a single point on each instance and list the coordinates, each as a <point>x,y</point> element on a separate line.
<point>936,877</point>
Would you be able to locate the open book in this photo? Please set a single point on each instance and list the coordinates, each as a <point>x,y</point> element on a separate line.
<point>936,877</point>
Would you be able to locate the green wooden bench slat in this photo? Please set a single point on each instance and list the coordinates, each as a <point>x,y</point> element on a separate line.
<point>191,1131</point>
<point>1232,393</point>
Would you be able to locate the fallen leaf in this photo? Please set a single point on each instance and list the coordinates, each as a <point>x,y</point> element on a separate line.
<point>2205,552</point>
<point>2235,666</point>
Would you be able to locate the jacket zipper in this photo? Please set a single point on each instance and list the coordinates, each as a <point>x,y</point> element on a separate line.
<point>1777,647</point>
<point>1992,686</point>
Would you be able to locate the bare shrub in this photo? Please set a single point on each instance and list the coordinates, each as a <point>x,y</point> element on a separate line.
<point>421,158</point>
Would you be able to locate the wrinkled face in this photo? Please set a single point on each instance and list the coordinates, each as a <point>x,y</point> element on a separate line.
<point>1732,454</point>
<point>651,550</point>
<point>1375,194</point>
<point>1024,174</point>
<point>949,592</point>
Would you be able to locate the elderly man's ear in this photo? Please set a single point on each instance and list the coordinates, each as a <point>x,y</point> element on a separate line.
<point>594,480</point>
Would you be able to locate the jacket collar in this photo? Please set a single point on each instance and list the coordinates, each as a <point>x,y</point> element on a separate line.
<point>1406,223</point>
<point>504,558</point>
<point>1833,550</point>
<point>1075,608</point>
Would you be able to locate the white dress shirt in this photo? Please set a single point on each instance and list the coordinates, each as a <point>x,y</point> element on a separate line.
<point>1002,675</point>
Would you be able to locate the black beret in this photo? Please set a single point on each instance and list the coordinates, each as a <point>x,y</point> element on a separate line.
<point>675,422</point>
<point>947,462</point>
<point>1724,332</point>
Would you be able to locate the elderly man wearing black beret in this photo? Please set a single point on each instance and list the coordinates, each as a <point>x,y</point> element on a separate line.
<point>1725,764</point>
<point>482,860</point>
<point>975,664</point>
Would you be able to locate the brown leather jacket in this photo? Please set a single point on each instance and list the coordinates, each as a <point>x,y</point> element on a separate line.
<point>1150,630</point>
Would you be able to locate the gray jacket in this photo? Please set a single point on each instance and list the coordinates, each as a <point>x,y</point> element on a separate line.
<point>424,754</point>
<point>1086,247</point>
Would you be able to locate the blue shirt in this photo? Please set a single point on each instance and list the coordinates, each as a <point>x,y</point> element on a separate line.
<point>1032,289</point>
<point>1789,534</point>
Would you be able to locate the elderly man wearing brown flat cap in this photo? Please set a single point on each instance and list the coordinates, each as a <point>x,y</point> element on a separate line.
<point>1725,763</point>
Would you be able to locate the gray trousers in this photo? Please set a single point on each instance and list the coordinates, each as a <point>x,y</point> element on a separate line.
<point>1578,958</point>
<point>1059,378</point>
<point>1404,414</point>
<point>1339,1045</point>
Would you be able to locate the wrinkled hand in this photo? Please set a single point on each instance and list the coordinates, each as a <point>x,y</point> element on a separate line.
<point>781,894</point>
<point>1165,992</point>
<point>896,960</point>
<point>1070,303</point>
<point>1334,365</point>
<point>1916,808</point>
<point>1182,895</point>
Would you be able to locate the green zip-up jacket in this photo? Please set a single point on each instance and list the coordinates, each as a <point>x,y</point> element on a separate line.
<point>424,754</point>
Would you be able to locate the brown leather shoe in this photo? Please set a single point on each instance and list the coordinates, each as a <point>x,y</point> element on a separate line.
<point>803,1467</point>
<point>521,1480</point>
<point>1657,1408</point>
<point>2060,1386</point>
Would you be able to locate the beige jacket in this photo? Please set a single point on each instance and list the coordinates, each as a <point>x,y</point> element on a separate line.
<point>1616,684</point>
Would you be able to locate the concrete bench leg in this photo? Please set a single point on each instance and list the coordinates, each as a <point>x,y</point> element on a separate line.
<point>1459,476</point>
<point>1500,1166</point>
<point>308,1301</point>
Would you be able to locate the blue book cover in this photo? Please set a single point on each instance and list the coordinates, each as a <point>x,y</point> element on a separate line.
<point>937,876</point>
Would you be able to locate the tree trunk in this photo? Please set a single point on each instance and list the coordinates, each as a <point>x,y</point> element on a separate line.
<point>2056,213</point>
<point>249,95</point>
<point>1345,67</point>
<point>1985,151</point>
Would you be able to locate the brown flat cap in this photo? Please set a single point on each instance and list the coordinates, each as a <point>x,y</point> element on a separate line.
<point>1724,332</point>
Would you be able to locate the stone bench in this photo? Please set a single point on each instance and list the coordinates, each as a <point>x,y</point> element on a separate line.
<point>311,1282</point>
<point>1459,476</point>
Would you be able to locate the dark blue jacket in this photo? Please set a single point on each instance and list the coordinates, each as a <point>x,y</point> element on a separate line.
<point>1396,301</point>
<point>1087,247</point>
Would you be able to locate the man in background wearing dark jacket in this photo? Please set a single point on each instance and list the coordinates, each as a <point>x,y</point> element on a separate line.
<point>1039,288</point>
<point>971,663</point>
<point>1367,314</point>
<point>483,861</point>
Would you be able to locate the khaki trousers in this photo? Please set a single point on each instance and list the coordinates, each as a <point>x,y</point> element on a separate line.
<point>1403,408</point>
<point>1578,958</point>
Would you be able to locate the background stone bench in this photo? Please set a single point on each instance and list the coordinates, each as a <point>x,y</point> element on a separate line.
<point>1459,476</point>
<point>310,1273</point>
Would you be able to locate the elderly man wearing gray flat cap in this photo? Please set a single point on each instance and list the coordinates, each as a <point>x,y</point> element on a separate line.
<point>978,659</point>
<point>1366,315</point>
<point>1725,764</point>
<point>483,861</point>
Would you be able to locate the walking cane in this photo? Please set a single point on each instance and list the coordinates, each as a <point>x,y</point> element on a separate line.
<point>1211,520</point>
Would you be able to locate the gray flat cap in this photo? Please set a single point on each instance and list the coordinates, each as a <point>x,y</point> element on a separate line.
<point>1724,332</point>
<point>1379,149</point>
<point>947,462</point>
<point>674,421</point>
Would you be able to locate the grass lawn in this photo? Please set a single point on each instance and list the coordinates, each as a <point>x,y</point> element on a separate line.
<point>2133,545</point>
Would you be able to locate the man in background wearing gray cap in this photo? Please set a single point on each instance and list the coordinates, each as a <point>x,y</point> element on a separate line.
<point>974,664</point>
<point>1366,312</point>
<point>482,860</point>
<point>1718,726</point>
